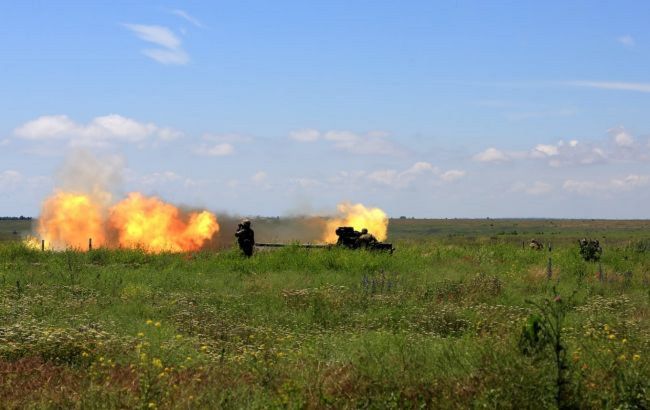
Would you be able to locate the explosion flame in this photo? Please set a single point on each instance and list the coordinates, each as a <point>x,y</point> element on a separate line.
<point>357,216</point>
<point>156,226</point>
<point>69,219</point>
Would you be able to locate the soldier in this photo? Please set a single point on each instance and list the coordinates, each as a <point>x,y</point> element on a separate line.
<point>366,239</point>
<point>245,237</point>
<point>536,245</point>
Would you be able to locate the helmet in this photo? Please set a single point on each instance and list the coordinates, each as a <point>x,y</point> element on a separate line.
<point>364,231</point>
<point>246,222</point>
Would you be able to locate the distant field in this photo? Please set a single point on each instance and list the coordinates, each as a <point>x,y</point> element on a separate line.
<point>512,230</point>
<point>14,229</point>
<point>517,230</point>
<point>460,316</point>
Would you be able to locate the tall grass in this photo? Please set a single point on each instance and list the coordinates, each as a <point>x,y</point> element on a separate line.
<point>436,324</point>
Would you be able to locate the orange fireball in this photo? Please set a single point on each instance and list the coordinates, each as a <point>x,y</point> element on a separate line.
<point>357,216</point>
<point>155,226</point>
<point>69,219</point>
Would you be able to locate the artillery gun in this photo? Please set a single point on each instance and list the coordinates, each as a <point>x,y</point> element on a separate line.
<point>348,238</point>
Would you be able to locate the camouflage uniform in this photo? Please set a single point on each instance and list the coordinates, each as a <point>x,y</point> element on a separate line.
<point>246,238</point>
<point>366,239</point>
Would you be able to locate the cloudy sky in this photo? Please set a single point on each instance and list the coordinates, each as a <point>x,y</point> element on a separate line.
<point>431,109</point>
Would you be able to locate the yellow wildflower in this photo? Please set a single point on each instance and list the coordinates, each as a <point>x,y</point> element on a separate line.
<point>140,334</point>
<point>149,321</point>
<point>612,336</point>
<point>636,357</point>
<point>157,324</point>
<point>157,362</point>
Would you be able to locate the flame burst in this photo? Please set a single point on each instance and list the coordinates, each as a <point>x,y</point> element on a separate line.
<point>156,226</point>
<point>69,219</point>
<point>358,217</point>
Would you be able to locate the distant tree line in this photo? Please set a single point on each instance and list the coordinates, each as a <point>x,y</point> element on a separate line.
<point>15,218</point>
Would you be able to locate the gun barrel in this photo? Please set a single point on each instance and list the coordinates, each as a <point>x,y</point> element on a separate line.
<point>283,245</point>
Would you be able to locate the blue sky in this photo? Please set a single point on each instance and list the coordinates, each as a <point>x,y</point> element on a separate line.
<point>433,109</point>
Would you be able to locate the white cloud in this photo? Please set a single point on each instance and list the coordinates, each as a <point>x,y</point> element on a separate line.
<point>581,187</point>
<point>171,51</point>
<point>169,57</point>
<point>215,150</point>
<point>370,143</point>
<point>536,188</point>
<point>49,126</point>
<point>420,167</point>
<point>627,41</point>
<point>185,15</point>
<point>588,187</point>
<point>305,135</point>
<point>574,153</point>
<point>416,172</point>
<point>220,145</point>
<point>155,34</point>
<point>544,150</point>
<point>373,143</point>
<point>386,176</point>
<point>168,134</point>
<point>404,178</point>
<point>259,177</point>
<point>491,155</point>
<point>613,85</point>
<point>117,126</point>
<point>98,131</point>
<point>4,142</point>
<point>630,182</point>
<point>452,175</point>
<point>621,137</point>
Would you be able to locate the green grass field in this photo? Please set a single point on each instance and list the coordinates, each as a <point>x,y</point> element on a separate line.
<point>461,315</point>
<point>14,229</point>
